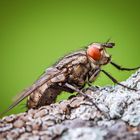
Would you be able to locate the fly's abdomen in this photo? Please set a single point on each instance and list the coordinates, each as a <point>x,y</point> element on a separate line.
<point>35,96</point>
<point>44,95</point>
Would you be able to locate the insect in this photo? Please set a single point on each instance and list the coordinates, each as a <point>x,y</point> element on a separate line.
<point>70,74</point>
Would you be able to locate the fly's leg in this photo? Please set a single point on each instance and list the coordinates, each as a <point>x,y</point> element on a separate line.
<point>92,78</point>
<point>82,93</point>
<point>77,90</point>
<point>115,81</point>
<point>121,68</point>
<point>86,96</point>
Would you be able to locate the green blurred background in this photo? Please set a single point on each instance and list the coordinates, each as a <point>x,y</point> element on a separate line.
<point>34,34</point>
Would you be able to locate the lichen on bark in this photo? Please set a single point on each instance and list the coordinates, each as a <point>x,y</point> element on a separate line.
<point>118,116</point>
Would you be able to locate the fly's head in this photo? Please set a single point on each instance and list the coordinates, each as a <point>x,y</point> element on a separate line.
<point>96,52</point>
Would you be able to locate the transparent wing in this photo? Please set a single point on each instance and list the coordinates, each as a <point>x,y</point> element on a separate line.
<point>48,75</point>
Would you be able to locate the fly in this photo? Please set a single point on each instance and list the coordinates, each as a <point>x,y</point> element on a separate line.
<point>70,74</point>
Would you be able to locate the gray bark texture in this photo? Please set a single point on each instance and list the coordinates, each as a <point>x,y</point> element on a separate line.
<point>117,117</point>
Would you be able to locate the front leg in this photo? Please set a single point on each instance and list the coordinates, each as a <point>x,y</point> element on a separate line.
<point>116,81</point>
<point>92,77</point>
<point>122,68</point>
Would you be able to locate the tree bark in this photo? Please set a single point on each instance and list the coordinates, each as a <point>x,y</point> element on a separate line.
<point>112,114</point>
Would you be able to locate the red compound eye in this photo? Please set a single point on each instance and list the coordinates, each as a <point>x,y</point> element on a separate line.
<point>94,53</point>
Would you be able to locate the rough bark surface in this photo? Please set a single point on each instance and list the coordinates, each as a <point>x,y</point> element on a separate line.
<point>79,119</point>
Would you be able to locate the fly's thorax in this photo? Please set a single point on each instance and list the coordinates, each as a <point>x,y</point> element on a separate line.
<point>78,73</point>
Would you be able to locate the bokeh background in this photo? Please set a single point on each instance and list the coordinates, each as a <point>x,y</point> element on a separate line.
<point>34,34</point>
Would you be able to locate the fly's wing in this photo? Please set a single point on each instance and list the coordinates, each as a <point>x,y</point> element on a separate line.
<point>53,74</point>
<point>49,74</point>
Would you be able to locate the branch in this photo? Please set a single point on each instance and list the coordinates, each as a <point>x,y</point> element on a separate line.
<point>78,118</point>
